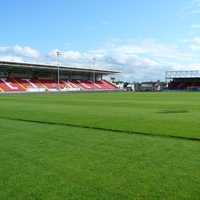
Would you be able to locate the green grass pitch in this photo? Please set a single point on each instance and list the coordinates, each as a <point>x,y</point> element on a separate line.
<point>106,146</point>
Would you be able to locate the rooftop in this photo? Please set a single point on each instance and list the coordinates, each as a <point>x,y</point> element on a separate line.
<point>24,65</point>
<point>183,74</point>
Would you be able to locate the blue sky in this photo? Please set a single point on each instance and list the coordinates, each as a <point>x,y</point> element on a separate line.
<point>141,38</point>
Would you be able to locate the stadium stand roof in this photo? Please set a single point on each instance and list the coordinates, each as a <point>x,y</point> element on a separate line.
<point>21,65</point>
<point>183,74</point>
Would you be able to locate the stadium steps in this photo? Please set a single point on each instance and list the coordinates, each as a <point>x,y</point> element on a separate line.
<point>27,85</point>
<point>38,83</point>
<point>21,86</point>
<point>10,85</point>
<point>1,90</point>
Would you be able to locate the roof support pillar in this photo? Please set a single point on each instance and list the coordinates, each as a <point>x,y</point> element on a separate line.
<point>94,77</point>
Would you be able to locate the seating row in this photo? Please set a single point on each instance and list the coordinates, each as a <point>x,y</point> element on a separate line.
<point>28,85</point>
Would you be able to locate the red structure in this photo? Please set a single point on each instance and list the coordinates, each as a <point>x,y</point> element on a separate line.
<point>183,80</point>
<point>25,77</point>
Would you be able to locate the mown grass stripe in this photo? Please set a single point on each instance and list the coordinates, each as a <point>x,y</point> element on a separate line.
<point>102,129</point>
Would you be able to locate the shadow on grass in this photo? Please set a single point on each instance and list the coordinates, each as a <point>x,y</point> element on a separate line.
<point>173,111</point>
<point>101,129</point>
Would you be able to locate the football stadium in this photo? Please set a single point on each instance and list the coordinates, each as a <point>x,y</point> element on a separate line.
<point>60,143</point>
<point>100,100</point>
<point>26,77</point>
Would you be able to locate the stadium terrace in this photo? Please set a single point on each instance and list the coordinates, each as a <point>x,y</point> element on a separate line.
<point>27,77</point>
<point>183,80</point>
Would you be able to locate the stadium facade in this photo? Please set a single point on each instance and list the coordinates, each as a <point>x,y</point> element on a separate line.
<point>26,77</point>
<point>183,80</point>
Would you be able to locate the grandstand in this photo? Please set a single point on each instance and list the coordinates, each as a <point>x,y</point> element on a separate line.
<point>183,80</point>
<point>25,77</point>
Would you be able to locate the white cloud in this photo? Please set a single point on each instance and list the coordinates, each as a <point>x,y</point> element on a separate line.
<point>72,55</point>
<point>137,60</point>
<point>20,51</point>
<point>192,8</point>
<point>11,58</point>
<point>195,26</point>
<point>195,43</point>
<point>26,51</point>
<point>66,55</point>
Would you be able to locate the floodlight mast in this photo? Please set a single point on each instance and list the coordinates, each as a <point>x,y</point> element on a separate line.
<point>58,53</point>
<point>94,66</point>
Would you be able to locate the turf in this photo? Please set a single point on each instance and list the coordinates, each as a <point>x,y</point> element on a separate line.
<point>100,146</point>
